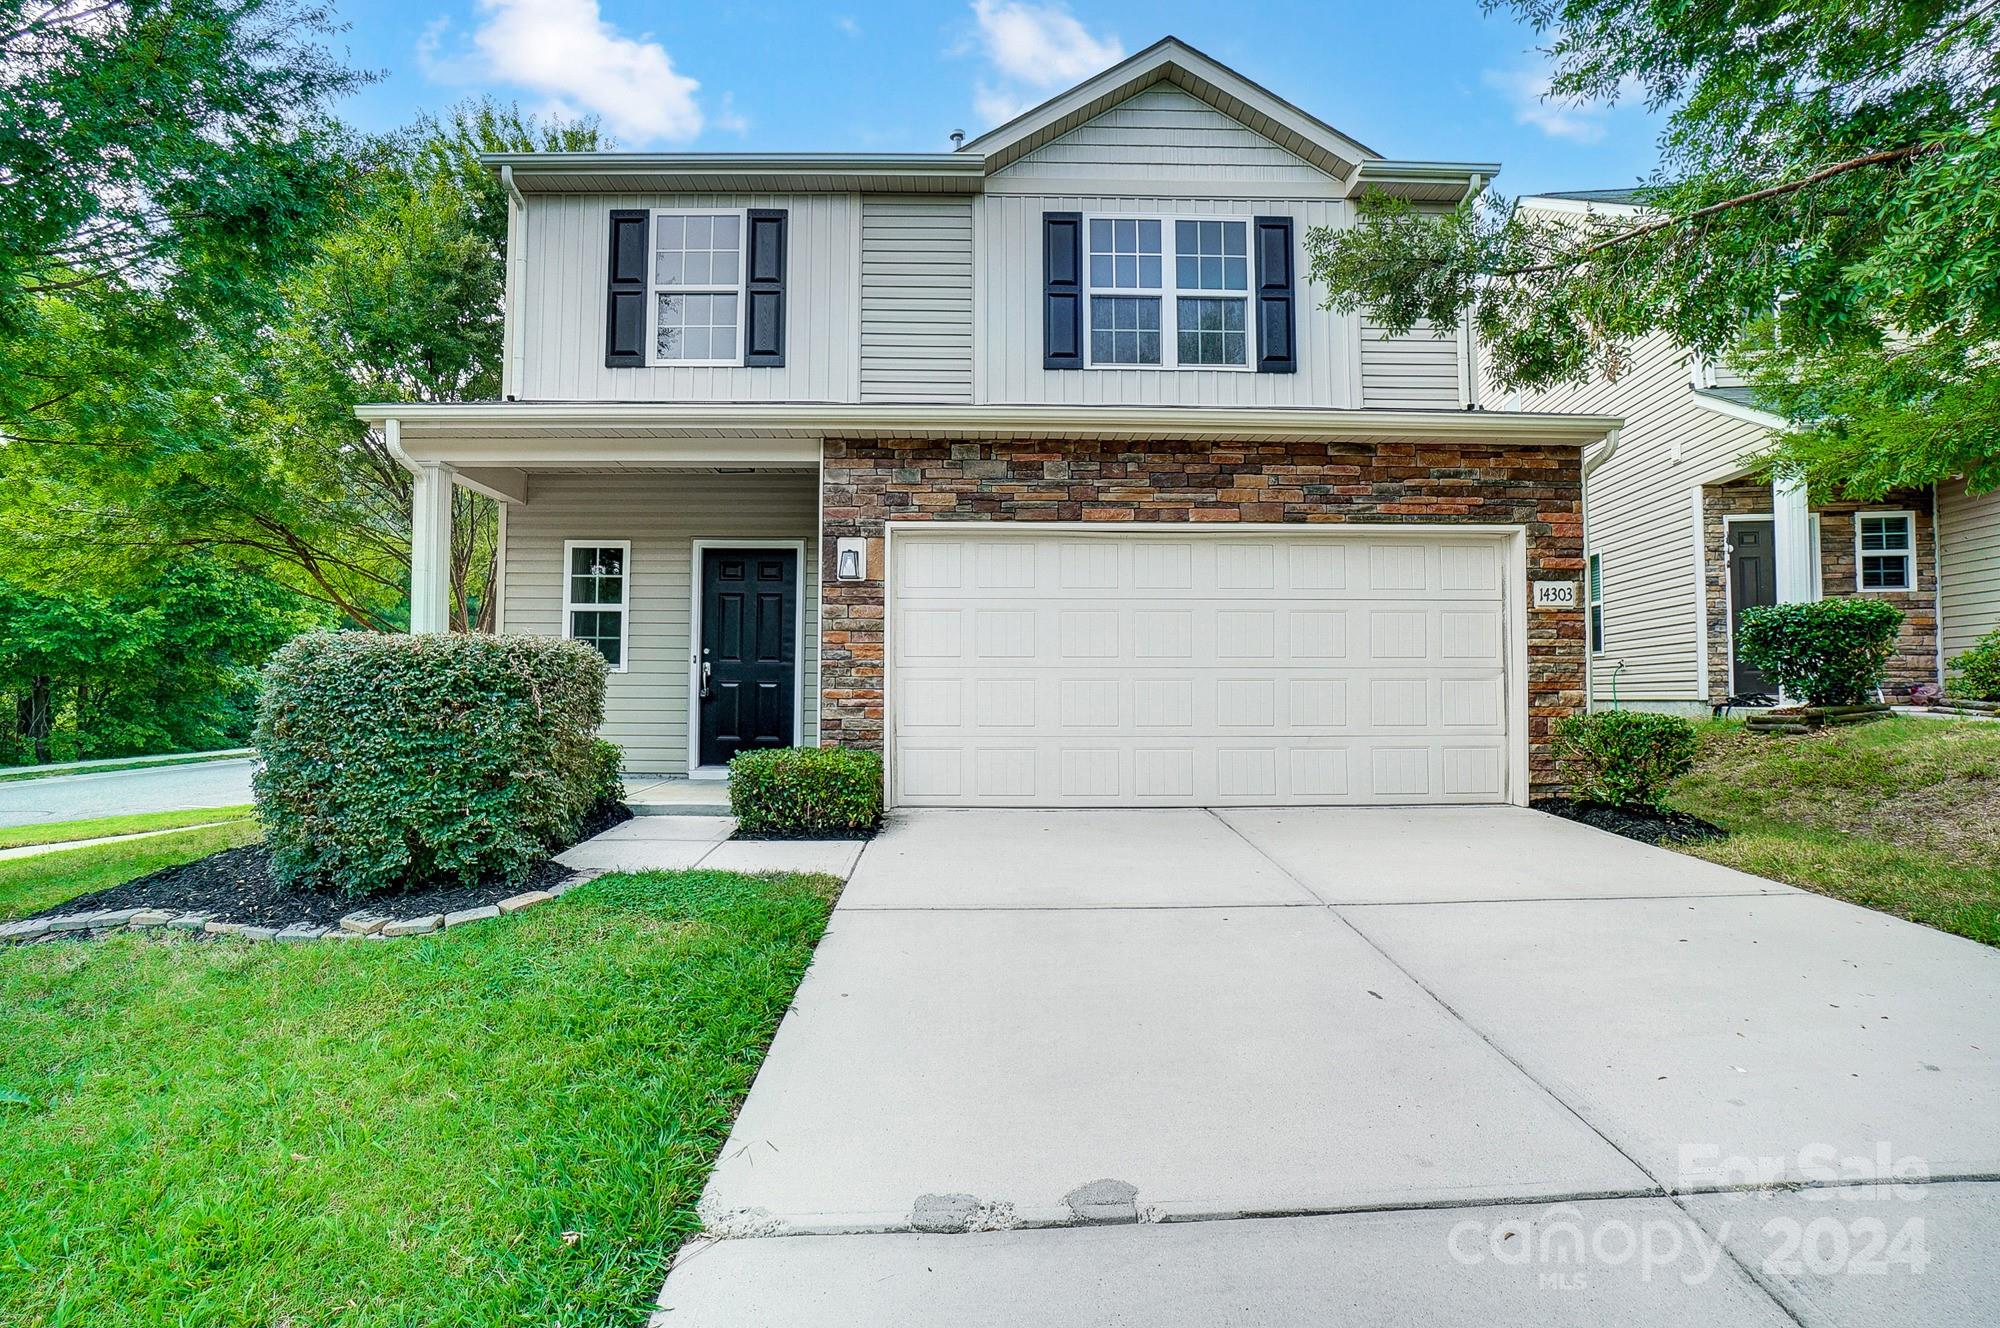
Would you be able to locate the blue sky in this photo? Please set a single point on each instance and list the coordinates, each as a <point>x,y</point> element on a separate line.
<point>1426,79</point>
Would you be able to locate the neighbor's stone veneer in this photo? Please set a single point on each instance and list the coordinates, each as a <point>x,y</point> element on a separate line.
<point>865,484</point>
<point>1915,659</point>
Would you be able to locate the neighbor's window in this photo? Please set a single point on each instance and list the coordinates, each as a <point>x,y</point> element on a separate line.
<point>1596,598</point>
<point>1201,319</point>
<point>596,591</point>
<point>697,287</point>
<point>1885,550</point>
<point>1212,256</point>
<point>1125,291</point>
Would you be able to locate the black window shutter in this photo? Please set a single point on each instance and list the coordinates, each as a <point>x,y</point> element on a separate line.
<point>1062,290</point>
<point>764,293</point>
<point>1277,299</point>
<point>625,297</point>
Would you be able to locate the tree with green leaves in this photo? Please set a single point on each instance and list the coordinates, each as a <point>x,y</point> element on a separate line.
<point>1823,214</point>
<point>398,298</point>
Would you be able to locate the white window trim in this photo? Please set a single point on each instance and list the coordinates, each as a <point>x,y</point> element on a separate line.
<point>1593,604</point>
<point>1908,555</point>
<point>1170,292</point>
<point>623,608</point>
<point>653,287</point>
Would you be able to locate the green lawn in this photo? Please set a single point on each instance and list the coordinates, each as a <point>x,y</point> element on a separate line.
<point>1901,815</point>
<point>58,832</point>
<point>43,880</point>
<point>504,1124</point>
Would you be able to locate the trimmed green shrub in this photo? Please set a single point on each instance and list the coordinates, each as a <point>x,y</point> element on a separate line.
<point>1824,654</point>
<point>805,791</point>
<point>1975,675</point>
<point>407,761</point>
<point>1623,756</point>
<point>607,779</point>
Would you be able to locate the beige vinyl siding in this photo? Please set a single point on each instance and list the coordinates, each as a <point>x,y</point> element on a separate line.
<point>916,299</point>
<point>1414,371</point>
<point>1641,518</point>
<point>1162,134</point>
<point>559,333</point>
<point>1008,298</point>
<point>1968,532</point>
<point>662,514</point>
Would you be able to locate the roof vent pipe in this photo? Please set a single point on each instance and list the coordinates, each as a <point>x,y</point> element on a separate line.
<point>957,139</point>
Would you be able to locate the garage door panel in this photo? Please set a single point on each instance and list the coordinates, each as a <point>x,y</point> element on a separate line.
<point>1049,670</point>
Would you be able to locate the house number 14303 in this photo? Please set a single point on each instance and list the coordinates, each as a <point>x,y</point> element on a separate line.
<point>1555,594</point>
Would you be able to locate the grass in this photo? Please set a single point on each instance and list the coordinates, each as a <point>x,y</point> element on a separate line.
<point>1901,815</point>
<point>504,1124</point>
<point>136,763</point>
<point>43,880</point>
<point>58,832</point>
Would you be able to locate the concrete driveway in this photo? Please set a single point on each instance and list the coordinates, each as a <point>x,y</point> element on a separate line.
<point>125,792</point>
<point>1355,1066</point>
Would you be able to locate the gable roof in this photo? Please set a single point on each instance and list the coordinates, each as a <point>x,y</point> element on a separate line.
<point>1173,61</point>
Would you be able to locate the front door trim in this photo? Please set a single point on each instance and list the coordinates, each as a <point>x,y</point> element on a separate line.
<point>1512,539</point>
<point>1729,586</point>
<point>697,558</point>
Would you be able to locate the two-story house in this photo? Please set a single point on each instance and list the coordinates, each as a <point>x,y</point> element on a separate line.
<point>1037,464</point>
<point>1684,535</point>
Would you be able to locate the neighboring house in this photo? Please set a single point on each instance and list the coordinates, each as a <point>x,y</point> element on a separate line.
<point>1682,537</point>
<point>1037,465</point>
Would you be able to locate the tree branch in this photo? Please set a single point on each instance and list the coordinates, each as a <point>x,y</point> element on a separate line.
<point>1885,158</point>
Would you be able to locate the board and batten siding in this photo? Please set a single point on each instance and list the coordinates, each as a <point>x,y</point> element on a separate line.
<point>1968,531</point>
<point>1416,371</point>
<point>1163,134</point>
<point>662,514</point>
<point>1641,519</point>
<point>1008,296</point>
<point>559,339</point>
<point>916,299</point>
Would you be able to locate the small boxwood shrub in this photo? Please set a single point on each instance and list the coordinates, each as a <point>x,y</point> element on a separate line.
<point>1622,757</point>
<point>1975,675</point>
<point>404,761</point>
<point>607,779</point>
<point>1825,654</point>
<point>805,791</point>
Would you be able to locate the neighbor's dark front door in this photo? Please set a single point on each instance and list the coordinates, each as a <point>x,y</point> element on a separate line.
<point>1753,580</point>
<point>749,650</point>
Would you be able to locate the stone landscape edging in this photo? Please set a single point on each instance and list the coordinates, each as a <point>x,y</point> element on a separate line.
<point>362,925</point>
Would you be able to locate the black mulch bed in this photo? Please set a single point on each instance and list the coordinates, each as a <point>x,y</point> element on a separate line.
<point>869,833</point>
<point>236,885</point>
<point>1645,824</point>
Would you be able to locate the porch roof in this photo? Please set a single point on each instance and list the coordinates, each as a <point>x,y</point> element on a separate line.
<point>530,433</point>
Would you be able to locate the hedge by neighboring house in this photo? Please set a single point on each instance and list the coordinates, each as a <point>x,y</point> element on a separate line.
<point>1681,536</point>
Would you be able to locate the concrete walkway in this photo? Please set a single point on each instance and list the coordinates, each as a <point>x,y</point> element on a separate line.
<point>1356,1067</point>
<point>680,843</point>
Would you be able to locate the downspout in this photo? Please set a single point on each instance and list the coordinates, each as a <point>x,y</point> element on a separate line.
<point>516,260</point>
<point>1937,585</point>
<point>1468,345</point>
<point>1590,467</point>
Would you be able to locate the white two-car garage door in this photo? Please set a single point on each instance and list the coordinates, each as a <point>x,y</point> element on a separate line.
<point>1052,669</point>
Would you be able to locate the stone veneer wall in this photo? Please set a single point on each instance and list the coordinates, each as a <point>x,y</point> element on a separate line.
<point>1915,659</point>
<point>868,483</point>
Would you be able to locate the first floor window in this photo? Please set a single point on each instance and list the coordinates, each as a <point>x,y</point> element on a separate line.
<point>1885,550</point>
<point>1596,599</point>
<point>595,596</point>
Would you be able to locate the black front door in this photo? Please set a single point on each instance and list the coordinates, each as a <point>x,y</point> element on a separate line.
<point>749,650</point>
<point>1753,580</point>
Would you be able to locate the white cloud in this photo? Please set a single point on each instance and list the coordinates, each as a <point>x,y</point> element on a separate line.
<point>567,52</point>
<point>1558,117</point>
<point>728,118</point>
<point>847,24</point>
<point>1033,49</point>
<point>1042,45</point>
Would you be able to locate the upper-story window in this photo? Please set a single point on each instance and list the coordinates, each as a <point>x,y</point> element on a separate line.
<point>698,287</point>
<point>1137,319</point>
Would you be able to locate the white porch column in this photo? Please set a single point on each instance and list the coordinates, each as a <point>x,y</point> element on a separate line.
<point>430,548</point>
<point>1792,533</point>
